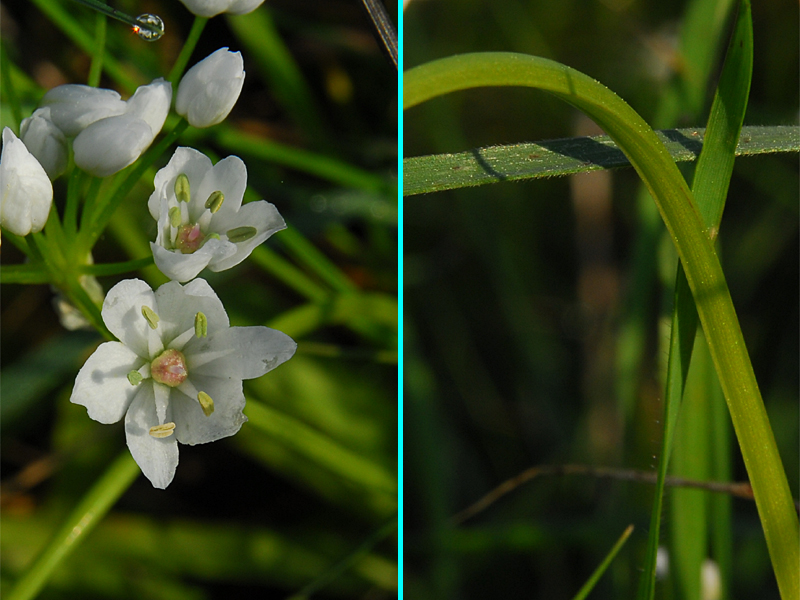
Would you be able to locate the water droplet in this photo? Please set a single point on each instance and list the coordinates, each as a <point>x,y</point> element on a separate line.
<point>151,27</point>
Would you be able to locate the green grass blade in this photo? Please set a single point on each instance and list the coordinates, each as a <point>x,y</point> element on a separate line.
<point>321,448</point>
<point>27,273</point>
<point>260,38</point>
<point>553,158</point>
<point>598,572</point>
<point>710,187</point>
<point>97,502</point>
<point>320,165</point>
<point>704,273</point>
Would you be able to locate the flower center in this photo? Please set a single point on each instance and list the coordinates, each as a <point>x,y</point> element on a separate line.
<point>169,368</point>
<point>189,238</point>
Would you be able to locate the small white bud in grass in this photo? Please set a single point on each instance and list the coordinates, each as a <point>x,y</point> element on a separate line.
<point>135,378</point>
<point>182,189</point>
<point>151,317</point>
<point>214,201</point>
<point>240,234</point>
<point>162,431</point>
<point>206,403</point>
<point>200,325</point>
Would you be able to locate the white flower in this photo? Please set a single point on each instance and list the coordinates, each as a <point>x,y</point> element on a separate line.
<point>111,134</point>
<point>176,373</point>
<point>45,141</point>
<point>208,91</point>
<point>26,193</point>
<point>210,8</point>
<point>74,107</point>
<point>201,219</point>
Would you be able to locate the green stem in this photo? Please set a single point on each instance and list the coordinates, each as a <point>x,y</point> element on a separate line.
<point>186,52</point>
<point>73,199</point>
<point>703,271</point>
<point>95,504</point>
<point>104,208</point>
<point>116,268</point>
<point>96,70</point>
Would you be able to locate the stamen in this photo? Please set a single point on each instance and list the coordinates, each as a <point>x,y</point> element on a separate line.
<point>241,234</point>
<point>150,316</point>
<point>175,216</point>
<point>200,325</point>
<point>162,431</point>
<point>213,236</point>
<point>134,377</point>
<point>182,188</point>
<point>214,201</point>
<point>206,403</point>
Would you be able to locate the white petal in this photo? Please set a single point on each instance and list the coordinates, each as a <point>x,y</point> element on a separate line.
<point>241,7</point>
<point>111,144</point>
<point>26,193</point>
<point>122,314</point>
<point>178,305</point>
<point>206,8</point>
<point>192,426</point>
<point>156,457</point>
<point>45,141</point>
<point>248,352</point>
<point>178,266</point>
<point>262,215</point>
<point>189,161</point>
<point>102,384</point>
<point>228,176</point>
<point>74,107</point>
<point>151,104</point>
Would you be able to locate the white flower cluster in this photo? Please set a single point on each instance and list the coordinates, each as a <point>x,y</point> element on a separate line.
<point>176,372</point>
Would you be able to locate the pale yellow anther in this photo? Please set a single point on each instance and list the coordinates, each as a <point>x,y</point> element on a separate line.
<point>206,403</point>
<point>213,236</point>
<point>215,201</point>
<point>200,325</point>
<point>162,431</point>
<point>175,216</point>
<point>135,378</point>
<point>151,317</point>
<point>182,188</point>
<point>241,234</point>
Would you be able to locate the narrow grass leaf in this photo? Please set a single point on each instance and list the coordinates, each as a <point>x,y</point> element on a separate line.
<point>598,572</point>
<point>556,158</point>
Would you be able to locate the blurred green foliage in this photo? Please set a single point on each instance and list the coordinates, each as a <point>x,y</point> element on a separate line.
<point>523,300</point>
<point>305,496</point>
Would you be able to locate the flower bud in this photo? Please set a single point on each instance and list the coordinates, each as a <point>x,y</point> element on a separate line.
<point>26,193</point>
<point>45,141</point>
<point>74,107</point>
<point>111,144</point>
<point>208,91</point>
<point>210,8</point>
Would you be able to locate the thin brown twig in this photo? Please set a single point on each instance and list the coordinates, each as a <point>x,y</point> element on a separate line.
<point>738,489</point>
